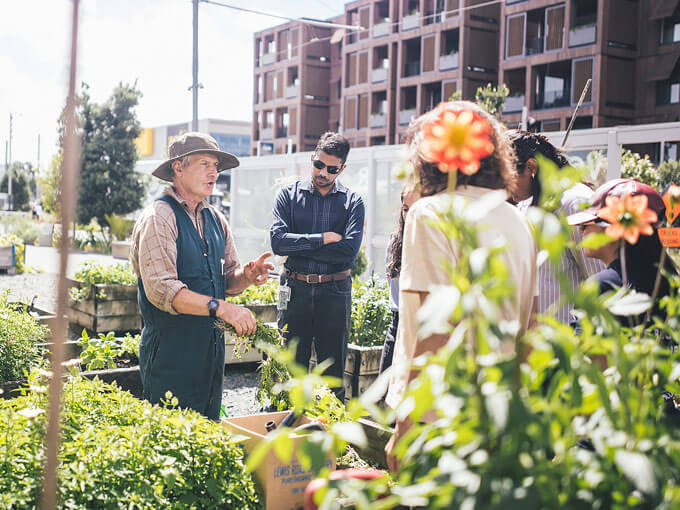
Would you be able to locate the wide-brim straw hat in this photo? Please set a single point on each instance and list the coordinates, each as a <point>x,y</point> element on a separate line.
<point>194,143</point>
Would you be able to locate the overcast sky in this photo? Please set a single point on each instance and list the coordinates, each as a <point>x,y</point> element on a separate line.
<point>126,40</point>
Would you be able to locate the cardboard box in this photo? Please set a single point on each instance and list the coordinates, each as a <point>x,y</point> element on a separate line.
<point>283,484</point>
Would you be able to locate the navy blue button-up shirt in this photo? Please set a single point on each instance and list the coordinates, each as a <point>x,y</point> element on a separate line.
<point>301,216</point>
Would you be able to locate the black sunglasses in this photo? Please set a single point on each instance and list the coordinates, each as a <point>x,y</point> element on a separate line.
<point>320,165</point>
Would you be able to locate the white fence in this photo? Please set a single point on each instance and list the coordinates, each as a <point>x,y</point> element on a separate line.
<point>369,171</point>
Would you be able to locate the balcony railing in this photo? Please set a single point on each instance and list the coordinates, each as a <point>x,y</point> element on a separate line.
<point>410,22</point>
<point>513,104</point>
<point>580,36</point>
<point>534,45</point>
<point>381,29</point>
<point>267,133</point>
<point>268,58</point>
<point>291,91</point>
<point>378,75</point>
<point>412,68</point>
<point>405,116</point>
<point>448,61</point>
<point>377,120</point>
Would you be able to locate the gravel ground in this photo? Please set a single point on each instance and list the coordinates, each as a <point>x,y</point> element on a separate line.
<point>240,380</point>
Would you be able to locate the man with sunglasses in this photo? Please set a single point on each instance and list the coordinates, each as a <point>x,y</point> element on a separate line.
<point>318,225</point>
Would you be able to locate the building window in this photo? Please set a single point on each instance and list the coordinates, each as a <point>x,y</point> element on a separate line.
<point>448,50</point>
<point>351,113</point>
<point>351,70</point>
<point>670,28</point>
<point>554,28</point>
<point>449,88</point>
<point>362,73</point>
<point>412,57</point>
<point>582,70</point>
<point>428,54</point>
<point>552,85</point>
<point>515,34</point>
<point>583,26</point>
<point>362,111</point>
<point>364,21</point>
<point>667,92</point>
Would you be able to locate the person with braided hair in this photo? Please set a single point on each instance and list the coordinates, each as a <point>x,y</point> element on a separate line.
<point>527,193</point>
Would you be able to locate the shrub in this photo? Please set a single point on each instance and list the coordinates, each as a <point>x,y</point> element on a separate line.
<point>120,227</point>
<point>668,173</point>
<point>90,274</point>
<point>19,335</point>
<point>119,452</point>
<point>371,315</point>
<point>20,225</point>
<point>637,167</point>
<point>105,351</point>
<point>257,294</point>
<point>360,264</point>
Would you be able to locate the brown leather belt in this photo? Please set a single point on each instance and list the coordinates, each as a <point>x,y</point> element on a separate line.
<point>318,278</point>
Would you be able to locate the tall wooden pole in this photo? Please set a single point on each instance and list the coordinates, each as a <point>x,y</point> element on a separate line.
<point>69,183</point>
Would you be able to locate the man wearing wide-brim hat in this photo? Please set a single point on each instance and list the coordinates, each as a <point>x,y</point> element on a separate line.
<point>184,255</point>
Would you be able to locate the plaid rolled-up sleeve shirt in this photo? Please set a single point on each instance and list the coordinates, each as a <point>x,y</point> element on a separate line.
<point>154,249</point>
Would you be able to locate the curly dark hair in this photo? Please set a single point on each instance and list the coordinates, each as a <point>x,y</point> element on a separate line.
<point>495,171</point>
<point>396,242</point>
<point>333,144</point>
<point>526,146</point>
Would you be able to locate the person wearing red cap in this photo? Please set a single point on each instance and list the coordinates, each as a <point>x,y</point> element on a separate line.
<point>642,257</point>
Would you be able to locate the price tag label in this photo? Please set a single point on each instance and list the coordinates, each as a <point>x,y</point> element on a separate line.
<point>670,237</point>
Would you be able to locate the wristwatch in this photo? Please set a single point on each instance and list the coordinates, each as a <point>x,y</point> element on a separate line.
<point>213,305</point>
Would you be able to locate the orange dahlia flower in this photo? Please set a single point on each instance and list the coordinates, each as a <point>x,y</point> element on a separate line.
<point>457,140</point>
<point>628,217</point>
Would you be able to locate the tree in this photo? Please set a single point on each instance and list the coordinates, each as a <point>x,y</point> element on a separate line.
<point>490,98</point>
<point>50,192</point>
<point>108,182</point>
<point>21,191</point>
<point>638,167</point>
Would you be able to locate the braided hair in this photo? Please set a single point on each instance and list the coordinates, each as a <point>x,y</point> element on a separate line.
<point>526,146</point>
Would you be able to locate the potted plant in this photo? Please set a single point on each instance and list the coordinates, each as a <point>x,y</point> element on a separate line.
<point>120,229</point>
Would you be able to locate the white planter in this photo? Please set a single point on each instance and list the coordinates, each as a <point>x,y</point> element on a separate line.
<point>411,21</point>
<point>381,29</point>
<point>377,120</point>
<point>378,75</point>
<point>581,36</point>
<point>448,62</point>
<point>405,116</point>
<point>121,249</point>
<point>513,104</point>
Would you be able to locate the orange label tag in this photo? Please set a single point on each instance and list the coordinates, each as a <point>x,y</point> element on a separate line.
<point>670,237</point>
<point>672,205</point>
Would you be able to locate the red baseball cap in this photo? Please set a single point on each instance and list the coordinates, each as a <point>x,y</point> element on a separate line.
<point>618,188</point>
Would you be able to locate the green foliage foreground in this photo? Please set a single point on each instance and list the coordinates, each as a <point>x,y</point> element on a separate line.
<point>508,422</point>
<point>118,452</point>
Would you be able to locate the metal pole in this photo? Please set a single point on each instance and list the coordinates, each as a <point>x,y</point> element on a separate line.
<point>9,168</point>
<point>69,185</point>
<point>194,86</point>
<point>578,107</point>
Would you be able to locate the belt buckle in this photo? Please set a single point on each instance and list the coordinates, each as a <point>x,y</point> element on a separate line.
<point>308,276</point>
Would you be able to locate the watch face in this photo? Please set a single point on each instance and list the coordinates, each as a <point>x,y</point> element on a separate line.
<point>213,305</point>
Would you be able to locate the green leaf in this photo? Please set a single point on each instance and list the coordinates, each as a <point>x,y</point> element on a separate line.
<point>351,432</point>
<point>595,240</point>
<point>633,303</point>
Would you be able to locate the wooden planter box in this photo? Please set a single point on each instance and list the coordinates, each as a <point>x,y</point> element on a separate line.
<point>128,379</point>
<point>116,311</point>
<point>361,369</point>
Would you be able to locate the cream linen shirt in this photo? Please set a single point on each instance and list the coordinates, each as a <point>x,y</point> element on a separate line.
<point>425,246</point>
<point>154,249</point>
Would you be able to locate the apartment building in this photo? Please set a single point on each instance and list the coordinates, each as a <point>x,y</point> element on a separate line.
<point>412,54</point>
<point>629,48</point>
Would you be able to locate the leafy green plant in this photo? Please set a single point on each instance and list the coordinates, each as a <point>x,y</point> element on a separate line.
<point>119,452</point>
<point>20,225</point>
<point>120,227</point>
<point>20,334</point>
<point>105,351</point>
<point>91,237</point>
<point>667,173</point>
<point>360,264</point>
<point>257,294</point>
<point>371,315</point>
<point>90,274</point>
<point>638,167</point>
<point>492,98</point>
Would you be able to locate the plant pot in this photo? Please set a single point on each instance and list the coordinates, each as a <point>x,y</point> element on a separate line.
<point>121,249</point>
<point>362,365</point>
<point>116,311</point>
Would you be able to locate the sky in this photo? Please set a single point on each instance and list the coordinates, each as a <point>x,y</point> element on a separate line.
<point>144,41</point>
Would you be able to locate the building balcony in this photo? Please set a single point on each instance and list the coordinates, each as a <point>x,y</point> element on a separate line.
<point>406,116</point>
<point>268,58</point>
<point>410,22</point>
<point>378,75</point>
<point>377,120</point>
<point>282,132</point>
<point>267,134</point>
<point>554,99</point>
<point>513,104</point>
<point>581,36</point>
<point>291,91</point>
<point>448,61</point>
<point>381,29</point>
<point>412,68</point>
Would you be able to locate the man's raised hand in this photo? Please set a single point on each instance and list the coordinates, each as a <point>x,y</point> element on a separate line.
<point>257,271</point>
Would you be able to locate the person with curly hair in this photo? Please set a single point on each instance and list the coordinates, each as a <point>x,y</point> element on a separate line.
<point>408,198</point>
<point>425,246</point>
<point>575,265</point>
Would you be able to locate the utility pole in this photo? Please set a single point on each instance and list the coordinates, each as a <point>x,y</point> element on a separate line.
<point>9,168</point>
<point>194,85</point>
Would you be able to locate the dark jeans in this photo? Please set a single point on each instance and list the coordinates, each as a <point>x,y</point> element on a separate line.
<point>319,313</point>
<point>388,345</point>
